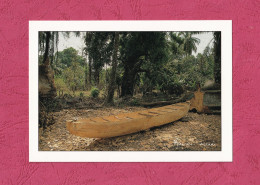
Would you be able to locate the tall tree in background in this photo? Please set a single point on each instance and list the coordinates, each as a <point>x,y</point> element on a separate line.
<point>74,76</point>
<point>65,60</point>
<point>48,41</point>
<point>217,56</point>
<point>190,42</point>
<point>47,46</point>
<point>99,48</point>
<point>112,79</point>
<point>88,42</point>
<point>137,49</point>
<point>46,75</point>
<point>176,43</point>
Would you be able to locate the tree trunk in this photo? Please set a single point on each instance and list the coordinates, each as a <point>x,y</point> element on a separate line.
<point>112,84</point>
<point>127,88</point>
<point>46,87</point>
<point>87,42</point>
<point>96,77</point>
<point>118,91</point>
<point>89,72</point>
<point>217,57</point>
<point>86,76</point>
<point>47,47</point>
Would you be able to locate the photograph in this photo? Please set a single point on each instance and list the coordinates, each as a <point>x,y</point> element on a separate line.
<point>129,91</point>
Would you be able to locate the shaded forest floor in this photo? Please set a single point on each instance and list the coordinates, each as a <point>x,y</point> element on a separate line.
<point>194,132</point>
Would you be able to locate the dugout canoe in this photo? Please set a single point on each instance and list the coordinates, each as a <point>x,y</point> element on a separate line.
<point>127,123</point>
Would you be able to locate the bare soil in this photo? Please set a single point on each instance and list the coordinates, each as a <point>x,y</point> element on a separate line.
<point>194,132</point>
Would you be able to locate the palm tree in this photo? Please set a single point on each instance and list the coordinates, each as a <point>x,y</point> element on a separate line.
<point>190,42</point>
<point>175,44</point>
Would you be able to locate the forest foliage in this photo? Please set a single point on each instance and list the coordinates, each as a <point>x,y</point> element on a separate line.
<point>130,63</point>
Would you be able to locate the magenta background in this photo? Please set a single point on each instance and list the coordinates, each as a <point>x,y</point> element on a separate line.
<point>14,117</point>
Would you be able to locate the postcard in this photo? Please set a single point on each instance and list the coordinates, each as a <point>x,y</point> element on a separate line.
<point>130,91</point>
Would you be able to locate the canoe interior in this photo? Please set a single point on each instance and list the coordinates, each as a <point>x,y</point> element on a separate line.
<point>127,123</point>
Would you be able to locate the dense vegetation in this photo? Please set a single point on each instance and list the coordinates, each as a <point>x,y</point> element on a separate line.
<point>130,63</point>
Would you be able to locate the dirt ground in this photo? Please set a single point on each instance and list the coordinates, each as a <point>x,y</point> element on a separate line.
<point>194,132</point>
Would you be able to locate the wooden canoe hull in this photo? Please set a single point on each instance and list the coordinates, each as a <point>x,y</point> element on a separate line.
<point>127,123</point>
